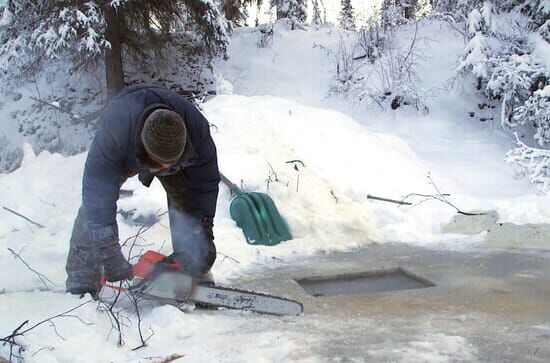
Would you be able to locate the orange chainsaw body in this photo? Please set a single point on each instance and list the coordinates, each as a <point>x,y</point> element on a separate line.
<point>144,266</point>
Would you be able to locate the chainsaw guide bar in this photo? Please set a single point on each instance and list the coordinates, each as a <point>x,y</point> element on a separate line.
<point>171,286</point>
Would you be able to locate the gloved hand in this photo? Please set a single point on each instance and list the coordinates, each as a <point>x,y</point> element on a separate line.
<point>115,266</point>
<point>196,251</point>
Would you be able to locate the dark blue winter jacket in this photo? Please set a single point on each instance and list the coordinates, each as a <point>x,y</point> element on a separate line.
<point>117,153</point>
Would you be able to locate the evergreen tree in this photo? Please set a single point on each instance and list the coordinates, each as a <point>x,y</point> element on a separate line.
<point>405,9</point>
<point>235,10</point>
<point>32,31</point>
<point>508,70</point>
<point>295,10</point>
<point>347,19</point>
<point>316,18</point>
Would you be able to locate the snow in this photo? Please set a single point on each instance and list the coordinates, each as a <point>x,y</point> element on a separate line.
<point>272,109</point>
<point>542,48</point>
<point>474,21</point>
<point>432,348</point>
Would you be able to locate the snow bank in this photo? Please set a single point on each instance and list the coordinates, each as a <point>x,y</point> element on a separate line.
<point>198,337</point>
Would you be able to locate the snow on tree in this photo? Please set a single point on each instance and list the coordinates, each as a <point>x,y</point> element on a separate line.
<point>33,31</point>
<point>533,163</point>
<point>235,10</point>
<point>506,53</point>
<point>536,112</point>
<point>347,18</point>
<point>391,14</point>
<point>405,9</point>
<point>294,10</point>
<point>317,19</point>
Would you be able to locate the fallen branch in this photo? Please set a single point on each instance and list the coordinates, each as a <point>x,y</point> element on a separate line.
<point>25,218</point>
<point>401,202</point>
<point>18,332</point>
<point>41,276</point>
<point>442,197</point>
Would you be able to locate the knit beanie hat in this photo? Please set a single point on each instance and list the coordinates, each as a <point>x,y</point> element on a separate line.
<point>164,136</point>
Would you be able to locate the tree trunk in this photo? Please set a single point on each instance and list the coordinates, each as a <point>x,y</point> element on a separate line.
<point>410,9</point>
<point>230,10</point>
<point>114,72</point>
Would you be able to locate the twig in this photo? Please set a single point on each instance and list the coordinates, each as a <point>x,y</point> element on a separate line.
<point>295,165</point>
<point>162,245</point>
<point>41,349</point>
<point>442,197</point>
<point>77,318</point>
<point>334,196</point>
<point>115,316</point>
<point>52,324</point>
<point>295,162</point>
<point>48,203</point>
<point>41,276</point>
<point>25,218</point>
<point>226,256</point>
<point>273,173</point>
<point>17,332</point>
<point>170,358</point>
<point>86,119</point>
<point>135,301</point>
<point>76,117</point>
<point>63,314</point>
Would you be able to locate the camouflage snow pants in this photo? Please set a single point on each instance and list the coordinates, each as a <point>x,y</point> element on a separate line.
<point>192,240</point>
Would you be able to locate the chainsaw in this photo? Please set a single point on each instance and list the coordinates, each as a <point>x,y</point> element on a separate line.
<point>159,278</point>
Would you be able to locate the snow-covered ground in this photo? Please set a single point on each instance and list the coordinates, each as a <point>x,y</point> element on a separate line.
<point>277,112</point>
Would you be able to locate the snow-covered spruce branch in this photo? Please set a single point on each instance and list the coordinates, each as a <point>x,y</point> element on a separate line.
<point>533,163</point>
<point>31,32</point>
<point>77,118</point>
<point>502,59</point>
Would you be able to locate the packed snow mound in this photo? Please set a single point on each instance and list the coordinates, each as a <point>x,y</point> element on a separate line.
<point>325,164</point>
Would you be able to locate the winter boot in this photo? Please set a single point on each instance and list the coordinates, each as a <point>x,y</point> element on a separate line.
<point>115,266</point>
